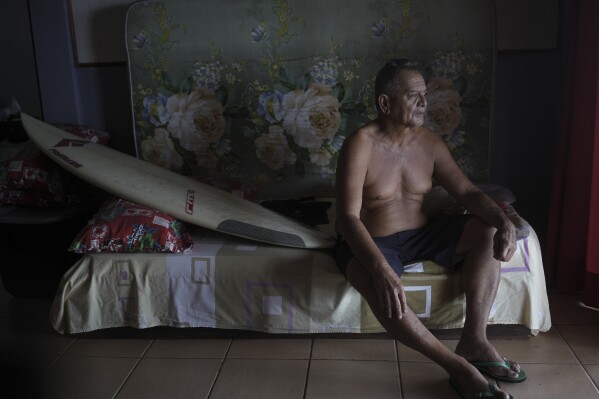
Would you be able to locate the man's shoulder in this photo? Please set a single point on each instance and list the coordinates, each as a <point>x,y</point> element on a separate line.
<point>426,132</point>
<point>364,134</point>
<point>430,137</point>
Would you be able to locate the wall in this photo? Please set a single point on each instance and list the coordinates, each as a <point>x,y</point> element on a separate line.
<point>527,102</point>
<point>96,96</point>
<point>18,75</point>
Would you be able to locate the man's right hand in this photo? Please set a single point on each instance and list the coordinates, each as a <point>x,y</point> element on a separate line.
<point>391,295</point>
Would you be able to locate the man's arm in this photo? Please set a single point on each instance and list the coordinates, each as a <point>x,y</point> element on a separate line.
<point>352,169</point>
<point>448,174</point>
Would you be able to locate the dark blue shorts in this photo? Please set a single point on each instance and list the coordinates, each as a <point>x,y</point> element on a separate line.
<point>436,241</point>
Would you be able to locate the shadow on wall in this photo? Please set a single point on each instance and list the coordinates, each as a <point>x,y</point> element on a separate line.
<point>104,86</point>
<point>106,103</point>
<point>102,40</point>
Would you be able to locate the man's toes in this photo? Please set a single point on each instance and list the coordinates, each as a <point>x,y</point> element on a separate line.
<point>515,367</point>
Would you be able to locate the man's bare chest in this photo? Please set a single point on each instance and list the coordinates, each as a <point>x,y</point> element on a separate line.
<point>399,173</point>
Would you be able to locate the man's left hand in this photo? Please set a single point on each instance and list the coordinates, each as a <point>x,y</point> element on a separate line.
<point>504,243</point>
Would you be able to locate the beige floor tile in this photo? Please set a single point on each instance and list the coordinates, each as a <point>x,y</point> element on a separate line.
<point>171,378</point>
<point>425,381</point>
<point>406,354</point>
<point>353,379</point>
<point>270,349</point>
<point>583,341</point>
<point>547,347</point>
<point>107,347</point>
<point>86,377</point>
<point>354,349</point>
<point>553,381</point>
<point>253,378</point>
<point>593,370</point>
<point>567,309</point>
<point>189,348</point>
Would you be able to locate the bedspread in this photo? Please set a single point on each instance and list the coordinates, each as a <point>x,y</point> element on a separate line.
<point>229,283</point>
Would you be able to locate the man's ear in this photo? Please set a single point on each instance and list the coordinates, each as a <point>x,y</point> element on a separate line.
<point>384,105</point>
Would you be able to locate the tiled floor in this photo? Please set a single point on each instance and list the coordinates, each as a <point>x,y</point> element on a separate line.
<point>38,363</point>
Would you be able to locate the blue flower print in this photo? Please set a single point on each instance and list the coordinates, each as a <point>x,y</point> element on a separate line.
<point>258,33</point>
<point>208,75</point>
<point>325,71</point>
<point>271,106</point>
<point>155,109</point>
<point>379,28</point>
<point>140,40</point>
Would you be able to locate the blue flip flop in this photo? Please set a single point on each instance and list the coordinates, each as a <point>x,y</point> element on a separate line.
<point>491,393</point>
<point>484,368</point>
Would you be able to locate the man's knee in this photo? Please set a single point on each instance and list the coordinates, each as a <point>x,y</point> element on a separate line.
<point>481,228</point>
<point>476,232</point>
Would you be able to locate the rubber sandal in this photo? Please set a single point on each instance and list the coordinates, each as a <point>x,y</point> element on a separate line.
<point>491,393</point>
<point>484,368</point>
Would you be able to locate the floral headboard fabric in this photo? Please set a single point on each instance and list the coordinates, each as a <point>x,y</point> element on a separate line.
<point>264,92</point>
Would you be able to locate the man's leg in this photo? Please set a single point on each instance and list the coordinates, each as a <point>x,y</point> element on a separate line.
<point>411,332</point>
<point>480,279</point>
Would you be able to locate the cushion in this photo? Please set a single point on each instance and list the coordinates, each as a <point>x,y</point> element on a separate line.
<point>30,178</point>
<point>123,226</point>
<point>89,133</point>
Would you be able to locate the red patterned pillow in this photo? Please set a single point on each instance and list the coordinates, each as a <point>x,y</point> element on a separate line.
<point>89,133</point>
<point>30,178</point>
<point>123,226</point>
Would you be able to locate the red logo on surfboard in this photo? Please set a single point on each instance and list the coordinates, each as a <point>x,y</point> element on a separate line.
<point>68,143</point>
<point>189,202</point>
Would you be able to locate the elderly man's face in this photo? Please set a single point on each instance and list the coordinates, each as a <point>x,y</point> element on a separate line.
<point>407,105</point>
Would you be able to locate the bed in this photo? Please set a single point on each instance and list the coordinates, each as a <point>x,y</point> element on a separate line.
<point>261,109</point>
<point>230,283</point>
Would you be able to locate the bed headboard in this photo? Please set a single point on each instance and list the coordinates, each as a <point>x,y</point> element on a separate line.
<point>263,93</point>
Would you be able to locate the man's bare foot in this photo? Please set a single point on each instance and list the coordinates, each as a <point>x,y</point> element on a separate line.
<point>468,381</point>
<point>483,352</point>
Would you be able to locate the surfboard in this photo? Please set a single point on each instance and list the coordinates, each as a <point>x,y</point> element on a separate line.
<point>182,197</point>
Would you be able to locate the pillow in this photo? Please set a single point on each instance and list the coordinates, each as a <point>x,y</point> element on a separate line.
<point>30,178</point>
<point>123,226</point>
<point>85,132</point>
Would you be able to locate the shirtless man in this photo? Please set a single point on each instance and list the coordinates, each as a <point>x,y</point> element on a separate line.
<point>385,168</point>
